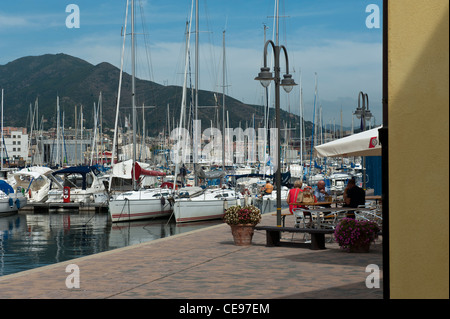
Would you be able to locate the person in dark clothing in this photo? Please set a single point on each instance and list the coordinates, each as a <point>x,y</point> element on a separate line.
<point>353,197</point>
<point>183,173</point>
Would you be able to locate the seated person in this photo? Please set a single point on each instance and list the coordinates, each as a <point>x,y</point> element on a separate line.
<point>293,196</point>
<point>320,193</point>
<point>353,197</point>
<point>268,188</point>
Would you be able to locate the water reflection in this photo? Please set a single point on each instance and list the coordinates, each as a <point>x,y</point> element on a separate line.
<point>34,240</point>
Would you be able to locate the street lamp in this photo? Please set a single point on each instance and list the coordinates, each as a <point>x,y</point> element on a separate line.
<point>363,112</point>
<point>265,77</point>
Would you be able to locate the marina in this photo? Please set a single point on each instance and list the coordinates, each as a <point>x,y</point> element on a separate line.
<point>142,141</point>
<point>117,182</point>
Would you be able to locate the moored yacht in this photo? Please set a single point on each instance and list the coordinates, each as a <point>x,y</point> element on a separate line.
<point>204,204</point>
<point>10,201</point>
<point>141,203</point>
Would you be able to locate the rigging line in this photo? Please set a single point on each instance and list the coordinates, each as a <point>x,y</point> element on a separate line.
<point>212,68</point>
<point>313,127</point>
<point>226,23</point>
<point>284,22</point>
<point>146,41</point>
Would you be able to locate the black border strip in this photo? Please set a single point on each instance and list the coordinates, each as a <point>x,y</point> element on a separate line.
<point>383,132</point>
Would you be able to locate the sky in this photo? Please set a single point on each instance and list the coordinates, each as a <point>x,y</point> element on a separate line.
<point>334,47</point>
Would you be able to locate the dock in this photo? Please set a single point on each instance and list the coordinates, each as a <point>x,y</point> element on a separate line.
<point>82,207</point>
<point>205,264</point>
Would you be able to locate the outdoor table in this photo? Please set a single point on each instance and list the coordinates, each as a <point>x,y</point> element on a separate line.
<point>327,211</point>
<point>313,204</point>
<point>376,198</point>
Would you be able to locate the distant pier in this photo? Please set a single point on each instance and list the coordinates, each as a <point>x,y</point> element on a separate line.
<point>47,207</point>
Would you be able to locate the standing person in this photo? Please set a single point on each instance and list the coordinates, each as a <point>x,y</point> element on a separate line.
<point>353,196</point>
<point>293,195</point>
<point>183,173</point>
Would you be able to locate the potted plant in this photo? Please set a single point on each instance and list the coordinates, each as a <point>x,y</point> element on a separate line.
<point>356,235</point>
<point>242,221</point>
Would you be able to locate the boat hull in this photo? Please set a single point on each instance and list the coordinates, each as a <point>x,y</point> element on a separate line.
<point>129,209</point>
<point>199,210</point>
<point>9,206</point>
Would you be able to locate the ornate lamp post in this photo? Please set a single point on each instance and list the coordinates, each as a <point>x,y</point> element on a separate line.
<point>265,77</point>
<point>363,112</point>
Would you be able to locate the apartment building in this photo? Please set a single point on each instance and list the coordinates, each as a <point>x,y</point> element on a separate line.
<point>14,145</point>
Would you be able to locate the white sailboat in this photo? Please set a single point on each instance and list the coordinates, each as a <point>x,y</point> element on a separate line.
<point>143,203</point>
<point>204,205</point>
<point>137,203</point>
<point>200,204</point>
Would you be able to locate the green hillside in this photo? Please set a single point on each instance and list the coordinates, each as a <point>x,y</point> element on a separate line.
<point>78,82</point>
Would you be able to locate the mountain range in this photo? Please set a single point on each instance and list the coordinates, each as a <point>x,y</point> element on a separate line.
<point>78,82</point>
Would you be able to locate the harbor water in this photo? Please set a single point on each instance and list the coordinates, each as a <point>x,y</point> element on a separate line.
<point>28,241</point>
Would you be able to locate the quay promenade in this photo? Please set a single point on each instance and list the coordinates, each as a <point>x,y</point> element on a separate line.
<point>205,264</point>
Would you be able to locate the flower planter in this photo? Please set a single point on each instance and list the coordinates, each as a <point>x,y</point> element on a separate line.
<point>242,234</point>
<point>355,236</point>
<point>242,221</point>
<point>361,248</point>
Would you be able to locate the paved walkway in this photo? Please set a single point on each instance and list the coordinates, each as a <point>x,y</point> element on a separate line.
<point>206,264</point>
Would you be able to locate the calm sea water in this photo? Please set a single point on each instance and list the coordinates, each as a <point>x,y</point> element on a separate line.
<point>28,241</point>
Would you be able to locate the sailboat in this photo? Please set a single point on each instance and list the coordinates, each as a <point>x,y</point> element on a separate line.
<point>138,203</point>
<point>10,201</point>
<point>143,203</point>
<point>203,204</point>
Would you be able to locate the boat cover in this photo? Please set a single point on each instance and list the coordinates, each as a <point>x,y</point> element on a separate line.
<point>140,171</point>
<point>5,187</point>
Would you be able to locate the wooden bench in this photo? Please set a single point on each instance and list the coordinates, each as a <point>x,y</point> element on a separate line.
<point>273,235</point>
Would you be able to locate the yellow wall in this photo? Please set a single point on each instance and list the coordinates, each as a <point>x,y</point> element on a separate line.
<point>418,114</point>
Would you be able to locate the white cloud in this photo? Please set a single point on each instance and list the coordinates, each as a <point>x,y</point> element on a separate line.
<point>31,22</point>
<point>7,21</point>
<point>343,67</point>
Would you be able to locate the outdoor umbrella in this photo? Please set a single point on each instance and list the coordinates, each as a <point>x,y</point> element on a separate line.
<point>366,143</point>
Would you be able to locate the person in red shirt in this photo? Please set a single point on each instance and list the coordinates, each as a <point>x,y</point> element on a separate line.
<point>293,195</point>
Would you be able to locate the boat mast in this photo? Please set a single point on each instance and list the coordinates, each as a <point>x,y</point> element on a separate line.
<point>196,58</point>
<point>81,135</point>
<point>195,146</point>
<point>313,127</point>
<point>2,143</point>
<point>118,97</point>
<point>223,106</point>
<point>301,121</point>
<point>76,136</point>
<point>57,131</point>
<point>133,90</point>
